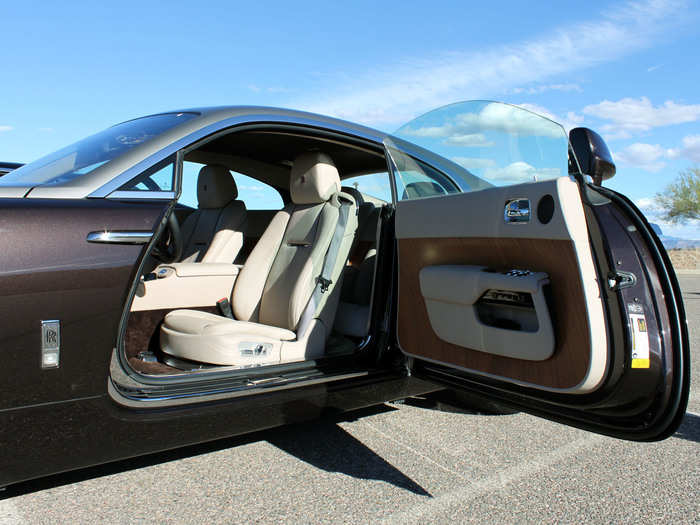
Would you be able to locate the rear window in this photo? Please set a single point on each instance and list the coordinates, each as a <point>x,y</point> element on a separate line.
<point>254,193</point>
<point>92,152</point>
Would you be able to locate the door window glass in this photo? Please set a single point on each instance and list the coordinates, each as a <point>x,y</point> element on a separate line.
<point>418,180</point>
<point>372,186</point>
<point>159,178</point>
<point>482,144</point>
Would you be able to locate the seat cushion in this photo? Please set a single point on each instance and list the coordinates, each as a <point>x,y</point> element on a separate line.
<point>210,338</point>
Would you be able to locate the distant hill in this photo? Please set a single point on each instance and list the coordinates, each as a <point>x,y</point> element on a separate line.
<point>675,243</point>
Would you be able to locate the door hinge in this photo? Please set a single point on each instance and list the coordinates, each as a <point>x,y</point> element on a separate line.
<point>618,280</point>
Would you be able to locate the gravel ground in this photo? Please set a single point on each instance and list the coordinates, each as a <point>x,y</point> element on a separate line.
<point>398,463</point>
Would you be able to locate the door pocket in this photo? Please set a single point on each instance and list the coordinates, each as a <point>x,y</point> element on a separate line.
<point>498,312</point>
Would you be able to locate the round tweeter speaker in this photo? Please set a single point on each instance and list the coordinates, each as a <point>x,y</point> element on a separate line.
<point>545,209</point>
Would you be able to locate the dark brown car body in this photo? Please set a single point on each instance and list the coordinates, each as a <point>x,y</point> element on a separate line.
<point>53,420</point>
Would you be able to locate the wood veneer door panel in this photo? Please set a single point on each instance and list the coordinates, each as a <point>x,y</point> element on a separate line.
<point>568,365</point>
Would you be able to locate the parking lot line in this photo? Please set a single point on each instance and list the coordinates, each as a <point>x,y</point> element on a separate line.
<point>492,483</point>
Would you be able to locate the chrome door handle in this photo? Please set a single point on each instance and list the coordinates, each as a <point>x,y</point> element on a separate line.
<point>517,211</point>
<point>120,237</point>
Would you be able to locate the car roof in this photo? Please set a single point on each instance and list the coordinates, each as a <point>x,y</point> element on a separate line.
<point>207,120</point>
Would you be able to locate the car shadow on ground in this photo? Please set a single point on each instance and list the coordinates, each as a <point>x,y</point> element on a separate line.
<point>689,429</point>
<point>323,444</point>
<point>329,447</point>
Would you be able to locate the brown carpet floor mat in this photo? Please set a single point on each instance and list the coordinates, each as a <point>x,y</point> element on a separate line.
<point>143,334</point>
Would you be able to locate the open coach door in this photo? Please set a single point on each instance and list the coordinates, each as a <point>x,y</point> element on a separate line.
<point>520,281</point>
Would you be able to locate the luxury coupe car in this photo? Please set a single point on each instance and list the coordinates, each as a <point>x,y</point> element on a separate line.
<point>209,272</point>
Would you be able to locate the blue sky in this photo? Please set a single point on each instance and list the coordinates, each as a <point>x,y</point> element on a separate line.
<point>627,69</point>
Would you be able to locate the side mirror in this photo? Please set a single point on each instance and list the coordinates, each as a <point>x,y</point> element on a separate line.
<point>592,153</point>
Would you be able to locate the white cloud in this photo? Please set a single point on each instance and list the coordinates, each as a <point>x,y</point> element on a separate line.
<point>651,157</point>
<point>389,95</point>
<point>430,131</point>
<point>648,157</point>
<point>519,172</point>
<point>271,89</point>
<point>507,119</point>
<point>6,128</point>
<point>474,140</point>
<point>569,121</point>
<point>474,163</point>
<point>689,150</point>
<point>537,90</point>
<point>467,128</point>
<point>635,115</point>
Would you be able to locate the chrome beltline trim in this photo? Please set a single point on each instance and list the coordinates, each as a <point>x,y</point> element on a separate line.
<point>126,195</point>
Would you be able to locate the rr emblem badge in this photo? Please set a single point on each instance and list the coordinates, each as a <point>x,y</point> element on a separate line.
<point>50,343</point>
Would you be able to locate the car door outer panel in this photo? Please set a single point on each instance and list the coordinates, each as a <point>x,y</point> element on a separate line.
<point>48,271</point>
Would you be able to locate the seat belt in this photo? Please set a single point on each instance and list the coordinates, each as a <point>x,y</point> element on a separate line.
<point>324,280</point>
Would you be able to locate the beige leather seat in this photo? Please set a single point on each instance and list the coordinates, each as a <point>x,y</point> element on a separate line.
<point>214,232</point>
<point>281,313</point>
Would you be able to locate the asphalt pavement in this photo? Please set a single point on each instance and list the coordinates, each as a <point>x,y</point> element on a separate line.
<point>397,463</point>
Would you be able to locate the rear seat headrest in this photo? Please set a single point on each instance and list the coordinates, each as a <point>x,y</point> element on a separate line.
<point>359,200</point>
<point>215,186</point>
<point>314,178</point>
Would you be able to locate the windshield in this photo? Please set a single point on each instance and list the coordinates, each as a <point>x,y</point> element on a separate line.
<point>498,143</point>
<point>92,152</point>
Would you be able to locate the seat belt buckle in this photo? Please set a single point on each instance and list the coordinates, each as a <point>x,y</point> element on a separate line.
<point>325,284</point>
<point>224,308</point>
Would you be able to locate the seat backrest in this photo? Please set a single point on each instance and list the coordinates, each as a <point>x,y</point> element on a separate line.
<point>368,217</point>
<point>359,275</point>
<point>281,273</point>
<point>214,232</point>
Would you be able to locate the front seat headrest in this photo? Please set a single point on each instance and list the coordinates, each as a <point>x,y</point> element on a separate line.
<point>215,186</point>
<point>314,178</point>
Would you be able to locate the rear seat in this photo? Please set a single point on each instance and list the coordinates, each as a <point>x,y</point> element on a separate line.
<point>214,232</point>
<point>358,278</point>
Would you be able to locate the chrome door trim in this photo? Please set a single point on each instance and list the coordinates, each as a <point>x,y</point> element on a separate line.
<point>120,237</point>
<point>136,195</point>
<point>135,399</point>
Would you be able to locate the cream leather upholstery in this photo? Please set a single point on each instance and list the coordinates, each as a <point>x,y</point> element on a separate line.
<point>214,232</point>
<point>314,179</point>
<point>275,321</point>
